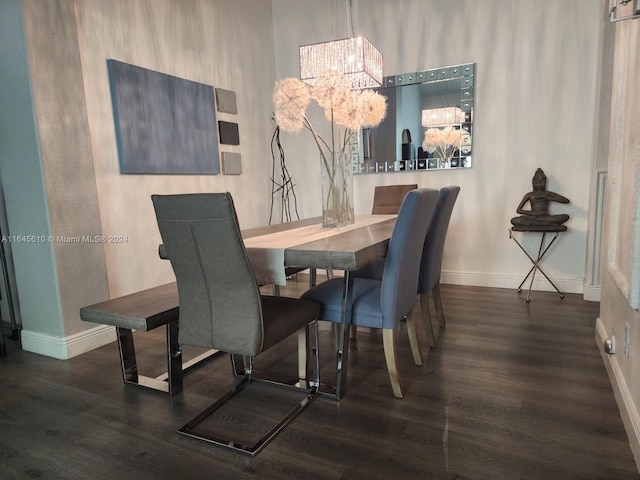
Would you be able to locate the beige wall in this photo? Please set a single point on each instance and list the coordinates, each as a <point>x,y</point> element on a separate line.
<point>620,287</point>
<point>224,43</point>
<point>536,62</point>
<point>535,98</point>
<point>68,170</point>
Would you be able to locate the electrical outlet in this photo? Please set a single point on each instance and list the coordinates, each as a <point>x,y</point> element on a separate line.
<point>627,335</point>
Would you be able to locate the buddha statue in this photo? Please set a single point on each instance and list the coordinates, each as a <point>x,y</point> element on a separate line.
<point>537,218</point>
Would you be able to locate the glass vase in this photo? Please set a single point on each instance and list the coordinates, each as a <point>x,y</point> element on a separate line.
<point>444,161</point>
<point>337,190</point>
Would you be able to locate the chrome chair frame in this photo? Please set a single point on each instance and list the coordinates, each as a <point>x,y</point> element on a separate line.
<point>245,374</point>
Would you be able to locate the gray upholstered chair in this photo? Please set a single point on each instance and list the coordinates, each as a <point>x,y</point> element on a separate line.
<point>431,264</point>
<point>383,303</point>
<point>220,304</point>
<point>288,271</point>
<point>388,198</point>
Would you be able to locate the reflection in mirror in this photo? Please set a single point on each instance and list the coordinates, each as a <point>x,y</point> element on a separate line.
<point>429,123</point>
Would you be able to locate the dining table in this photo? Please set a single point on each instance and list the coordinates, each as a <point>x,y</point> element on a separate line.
<point>307,244</point>
<point>273,251</point>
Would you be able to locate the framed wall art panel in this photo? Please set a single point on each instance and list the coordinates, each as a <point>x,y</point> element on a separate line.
<point>164,124</point>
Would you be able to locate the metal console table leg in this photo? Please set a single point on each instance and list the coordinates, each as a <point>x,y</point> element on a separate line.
<point>542,250</point>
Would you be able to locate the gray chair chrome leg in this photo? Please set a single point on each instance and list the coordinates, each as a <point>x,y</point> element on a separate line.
<point>191,428</point>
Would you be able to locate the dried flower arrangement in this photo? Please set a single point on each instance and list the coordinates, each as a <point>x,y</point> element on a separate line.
<point>347,111</point>
<point>443,141</point>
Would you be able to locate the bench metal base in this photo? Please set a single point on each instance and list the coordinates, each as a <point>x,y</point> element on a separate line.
<point>169,382</point>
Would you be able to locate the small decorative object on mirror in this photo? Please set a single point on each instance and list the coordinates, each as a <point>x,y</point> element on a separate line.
<point>407,146</point>
<point>537,218</point>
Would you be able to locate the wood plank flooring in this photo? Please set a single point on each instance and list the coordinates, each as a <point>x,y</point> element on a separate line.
<point>512,391</point>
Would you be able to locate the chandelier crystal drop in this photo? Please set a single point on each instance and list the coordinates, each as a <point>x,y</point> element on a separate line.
<point>440,117</point>
<point>356,57</point>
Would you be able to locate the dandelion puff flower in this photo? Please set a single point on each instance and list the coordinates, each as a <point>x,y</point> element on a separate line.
<point>432,138</point>
<point>290,98</point>
<point>331,89</point>
<point>349,113</point>
<point>374,108</point>
<point>451,136</point>
<point>343,107</point>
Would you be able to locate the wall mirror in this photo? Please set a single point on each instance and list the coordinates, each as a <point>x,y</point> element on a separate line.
<point>429,123</point>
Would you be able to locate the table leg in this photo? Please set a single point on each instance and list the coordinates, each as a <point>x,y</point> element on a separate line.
<point>127,355</point>
<point>536,263</point>
<point>552,284</point>
<point>542,250</point>
<point>525,278</point>
<point>540,255</point>
<point>343,337</point>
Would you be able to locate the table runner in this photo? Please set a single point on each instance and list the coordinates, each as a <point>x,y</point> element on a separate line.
<point>266,252</point>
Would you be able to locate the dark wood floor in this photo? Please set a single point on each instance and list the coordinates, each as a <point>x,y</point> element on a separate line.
<point>513,391</point>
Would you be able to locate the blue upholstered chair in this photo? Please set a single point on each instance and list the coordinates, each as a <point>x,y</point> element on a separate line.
<point>220,304</point>
<point>431,264</point>
<point>383,303</point>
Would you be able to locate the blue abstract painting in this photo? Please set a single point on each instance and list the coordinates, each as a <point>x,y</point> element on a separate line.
<point>164,124</point>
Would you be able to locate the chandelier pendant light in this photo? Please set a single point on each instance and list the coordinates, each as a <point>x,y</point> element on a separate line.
<point>440,117</point>
<point>356,57</point>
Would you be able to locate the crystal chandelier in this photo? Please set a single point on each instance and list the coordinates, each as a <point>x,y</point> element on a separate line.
<point>441,117</point>
<point>356,57</point>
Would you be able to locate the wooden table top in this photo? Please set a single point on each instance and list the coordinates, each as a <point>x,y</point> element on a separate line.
<point>345,251</point>
<point>348,250</point>
<point>345,248</point>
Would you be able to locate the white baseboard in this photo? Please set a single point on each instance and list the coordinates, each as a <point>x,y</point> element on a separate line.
<point>591,293</point>
<point>76,344</point>
<point>626,405</point>
<point>63,348</point>
<point>572,285</point>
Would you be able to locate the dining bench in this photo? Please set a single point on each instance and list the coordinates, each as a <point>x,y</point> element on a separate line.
<point>145,311</point>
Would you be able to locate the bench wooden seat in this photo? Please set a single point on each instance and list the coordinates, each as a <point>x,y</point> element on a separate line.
<point>145,311</point>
